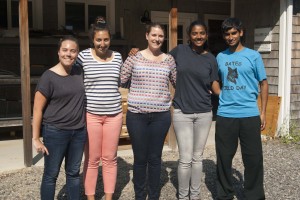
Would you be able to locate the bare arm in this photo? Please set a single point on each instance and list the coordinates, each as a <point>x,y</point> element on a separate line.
<point>216,87</point>
<point>264,90</point>
<point>38,107</point>
<point>133,51</point>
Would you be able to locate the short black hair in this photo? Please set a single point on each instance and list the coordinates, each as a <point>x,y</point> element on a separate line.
<point>230,23</point>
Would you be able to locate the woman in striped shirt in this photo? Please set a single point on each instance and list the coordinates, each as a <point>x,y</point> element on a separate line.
<point>104,112</point>
<point>148,117</point>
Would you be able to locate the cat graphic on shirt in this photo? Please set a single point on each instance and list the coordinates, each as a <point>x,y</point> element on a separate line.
<point>232,75</point>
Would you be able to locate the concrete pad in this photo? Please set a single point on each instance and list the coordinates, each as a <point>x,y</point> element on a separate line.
<point>12,156</point>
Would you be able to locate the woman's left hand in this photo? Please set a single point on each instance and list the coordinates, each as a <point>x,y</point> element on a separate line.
<point>39,146</point>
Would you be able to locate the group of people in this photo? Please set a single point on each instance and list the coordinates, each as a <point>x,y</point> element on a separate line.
<point>77,107</point>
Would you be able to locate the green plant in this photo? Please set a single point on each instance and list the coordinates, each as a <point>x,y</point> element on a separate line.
<point>290,136</point>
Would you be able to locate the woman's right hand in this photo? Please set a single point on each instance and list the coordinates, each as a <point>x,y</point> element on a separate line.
<point>39,146</point>
<point>133,51</point>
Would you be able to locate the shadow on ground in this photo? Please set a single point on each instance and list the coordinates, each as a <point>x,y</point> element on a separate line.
<point>123,178</point>
<point>168,179</point>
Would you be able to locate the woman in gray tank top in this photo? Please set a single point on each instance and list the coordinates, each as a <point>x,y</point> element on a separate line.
<point>59,113</point>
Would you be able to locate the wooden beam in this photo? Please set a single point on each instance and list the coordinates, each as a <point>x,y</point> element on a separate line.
<point>25,81</point>
<point>172,43</point>
<point>173,28</point>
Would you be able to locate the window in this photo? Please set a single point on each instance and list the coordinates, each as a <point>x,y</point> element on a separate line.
<point>296,7</point>
<point>3,14</point>
<point>184,20</point>
<point>15,14</point>
<point>75,15</point>
<point>9,14</point>
<point>80,14</point>
<point>165,45</point>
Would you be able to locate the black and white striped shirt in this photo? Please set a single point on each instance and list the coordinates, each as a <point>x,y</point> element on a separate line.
<point>101,82</point>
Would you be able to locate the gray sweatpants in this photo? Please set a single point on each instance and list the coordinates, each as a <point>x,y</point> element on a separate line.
<point>191,132</point>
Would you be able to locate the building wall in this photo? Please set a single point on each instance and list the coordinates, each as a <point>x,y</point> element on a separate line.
<point>267,14</point>
<point>132,10</point>
<point>44,53</point>
<point>295,79</point>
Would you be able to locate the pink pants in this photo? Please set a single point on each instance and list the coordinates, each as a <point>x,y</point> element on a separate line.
<point>103,138</point>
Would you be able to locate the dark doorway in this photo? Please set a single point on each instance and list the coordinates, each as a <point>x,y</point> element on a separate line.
<point>216,45</point>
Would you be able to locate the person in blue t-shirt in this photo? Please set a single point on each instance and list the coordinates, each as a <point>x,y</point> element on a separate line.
<point>241,72</point>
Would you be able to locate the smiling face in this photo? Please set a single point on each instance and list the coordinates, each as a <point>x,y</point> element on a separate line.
<point>67,53</point>
<point>198,36</point>
<point>232,37</point>
<point>101,42</point>
<point>155,38</point>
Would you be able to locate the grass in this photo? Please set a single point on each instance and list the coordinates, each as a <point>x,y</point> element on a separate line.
<point>292,136</point>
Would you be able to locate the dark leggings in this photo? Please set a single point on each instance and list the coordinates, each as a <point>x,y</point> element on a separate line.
<point>147,133</point>
<point>228,132</point>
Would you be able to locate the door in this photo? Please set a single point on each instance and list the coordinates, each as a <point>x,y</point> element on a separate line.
<point>215,39</point>
<point>216,44</point>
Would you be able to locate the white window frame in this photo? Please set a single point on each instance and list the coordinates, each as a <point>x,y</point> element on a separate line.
<point>184,19</point>
<point>37,15</point>
<point>110,12</point>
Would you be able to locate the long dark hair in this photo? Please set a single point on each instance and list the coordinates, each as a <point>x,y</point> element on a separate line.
<point>198,23</point>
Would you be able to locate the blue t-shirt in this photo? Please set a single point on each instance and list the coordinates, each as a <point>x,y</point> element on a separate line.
<point>240,73</point>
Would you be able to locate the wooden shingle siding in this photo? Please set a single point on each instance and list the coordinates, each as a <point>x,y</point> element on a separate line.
<point>295,97</point>
<point>273,89</point>
<point>272,54</point>
<point>296,29</point>
<point>295,80</point>
<point>272,71</point>
<point>296,20</point>
<point>296,53</point>
<point>295,73</point>
<point>296,37</point>
<point>273,80</point>
<point>295,70</point>
<point>271,63</point>
<point>295,45</point>
<point>295,89</point>
<point>295,114</point>
<point>275,46</point>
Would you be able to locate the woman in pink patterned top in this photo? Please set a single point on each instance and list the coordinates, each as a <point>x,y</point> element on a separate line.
<point>148,118</point>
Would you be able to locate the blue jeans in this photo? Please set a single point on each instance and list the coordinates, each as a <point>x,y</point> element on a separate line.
<point>147,133</point>
<point>191,132</point>
<point>68,144</point>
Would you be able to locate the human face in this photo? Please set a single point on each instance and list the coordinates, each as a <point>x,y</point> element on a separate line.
<point>233,37</point>
<point>67,53</point>
<point>101,42</point>
<point>198,36</point>
<point>155,38</point>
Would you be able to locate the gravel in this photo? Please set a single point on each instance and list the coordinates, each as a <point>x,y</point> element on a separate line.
<point>281,162</point>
